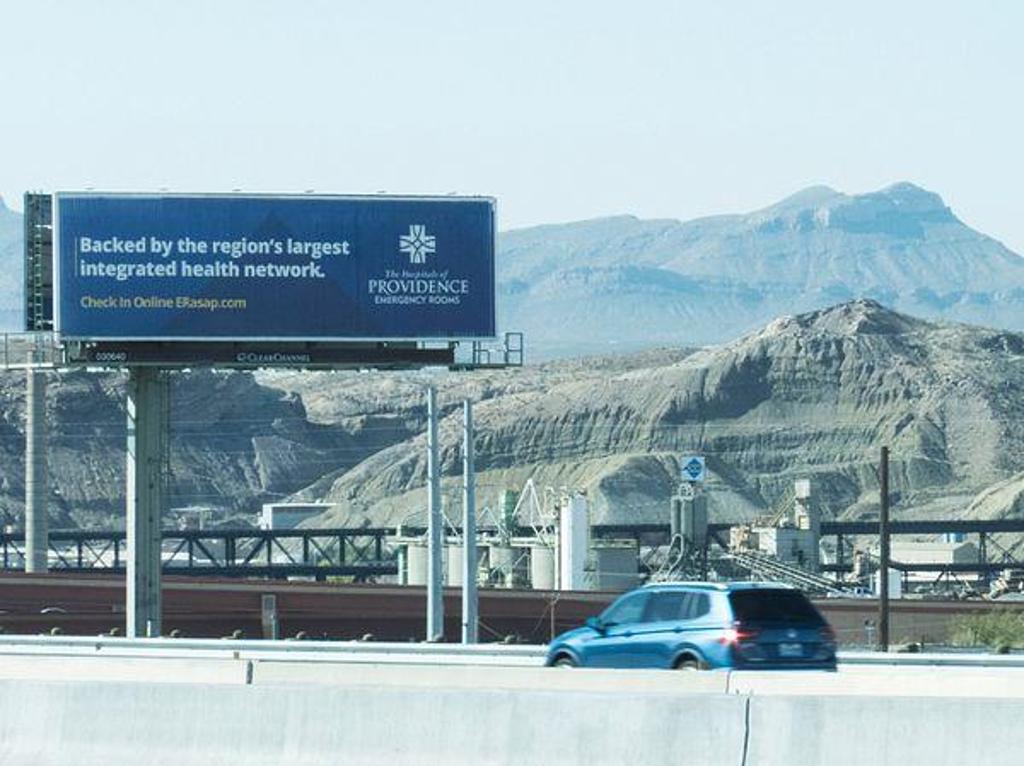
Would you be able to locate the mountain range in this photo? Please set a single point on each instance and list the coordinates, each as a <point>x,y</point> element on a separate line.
<point>621,283</point>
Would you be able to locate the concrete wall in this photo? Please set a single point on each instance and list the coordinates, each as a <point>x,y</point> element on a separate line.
<point>888,730</point>
<point>82,711</point>
<point>44,723</point>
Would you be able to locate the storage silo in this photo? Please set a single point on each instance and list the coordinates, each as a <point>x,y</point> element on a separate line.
<point>542,567</point>
<point>416,563</point>
<point>453,564</point>
<point>573,537</point>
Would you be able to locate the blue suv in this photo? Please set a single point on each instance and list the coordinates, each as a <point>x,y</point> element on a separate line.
<point>695,626</point>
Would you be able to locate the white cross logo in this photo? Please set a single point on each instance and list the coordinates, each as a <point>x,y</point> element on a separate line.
<point>417,243</point>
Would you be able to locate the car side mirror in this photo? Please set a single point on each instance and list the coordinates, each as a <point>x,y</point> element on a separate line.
<point>595,623</point>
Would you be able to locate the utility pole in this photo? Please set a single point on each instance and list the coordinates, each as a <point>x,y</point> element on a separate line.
<point>883,554</point>
<point>469,592</point>
<point>435,594</point>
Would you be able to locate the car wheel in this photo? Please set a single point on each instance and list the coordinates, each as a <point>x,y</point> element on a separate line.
<point>564,662</point>
<point>689,663</point>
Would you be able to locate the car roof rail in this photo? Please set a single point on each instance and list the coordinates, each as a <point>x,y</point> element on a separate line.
<point>722,586</point>
<point>698,584</point>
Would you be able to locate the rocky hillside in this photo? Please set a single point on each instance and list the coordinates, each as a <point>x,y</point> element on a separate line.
<point>811,396</point>
<point>625,283</point>
<point>807,396</point>
<point>237,440</point>
<point>234,445</point>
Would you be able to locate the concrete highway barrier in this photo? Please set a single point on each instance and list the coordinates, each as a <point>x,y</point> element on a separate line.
<point>43,723</point>
<point>213,710</point>
<point>106,669</point>
<point>891,681</point>
<point>498,678</point>
<point>903,731</point>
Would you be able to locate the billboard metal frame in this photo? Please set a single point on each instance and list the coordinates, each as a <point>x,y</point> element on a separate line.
<point>54,351</point>
<point>38,263</point>
<point>42,350</point>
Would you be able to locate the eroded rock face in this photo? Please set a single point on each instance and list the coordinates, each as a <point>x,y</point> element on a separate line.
<point>234,444</point>
<point>1004,499</point>
<point>812,396</point>
<point>808,396</point>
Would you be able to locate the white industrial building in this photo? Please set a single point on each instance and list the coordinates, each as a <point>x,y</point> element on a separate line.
<point>290,515</point>
<point>933,552</point>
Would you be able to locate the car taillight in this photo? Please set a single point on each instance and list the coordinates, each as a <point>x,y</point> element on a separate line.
<point>737,634</point>
<point>827,634</point>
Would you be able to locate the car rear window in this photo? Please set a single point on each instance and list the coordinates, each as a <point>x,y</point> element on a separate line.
<point>773,606</point>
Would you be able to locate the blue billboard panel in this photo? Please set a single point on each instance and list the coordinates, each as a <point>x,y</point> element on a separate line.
<point>244,267</point>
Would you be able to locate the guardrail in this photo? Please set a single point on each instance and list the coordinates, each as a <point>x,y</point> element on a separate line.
<point>305,651</point>
<point>936,659</point>
<point>403,653</point>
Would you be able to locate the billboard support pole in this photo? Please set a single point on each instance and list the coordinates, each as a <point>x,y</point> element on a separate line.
<point>36,493</point>
<point>147,441</point>
<point>435,596</point>
<point>469,592</point>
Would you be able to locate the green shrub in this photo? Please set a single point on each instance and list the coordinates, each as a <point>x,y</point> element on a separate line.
<point>996,629</point>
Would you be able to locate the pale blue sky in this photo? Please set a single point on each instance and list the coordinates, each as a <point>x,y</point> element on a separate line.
<point>561,110</point>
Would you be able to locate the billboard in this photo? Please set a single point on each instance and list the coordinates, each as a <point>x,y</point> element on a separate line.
<point>160,267</point>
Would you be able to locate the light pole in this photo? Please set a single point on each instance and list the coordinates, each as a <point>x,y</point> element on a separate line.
<point>435,525</point>
<point>469,594</point>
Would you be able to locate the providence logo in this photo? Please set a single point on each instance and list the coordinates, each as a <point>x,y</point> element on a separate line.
<point>417,244</point>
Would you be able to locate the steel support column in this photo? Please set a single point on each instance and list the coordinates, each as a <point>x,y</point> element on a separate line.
<point>985,575</point>
<point>435,526</point>
<point>469,592</point>
<point>147,443</point>
<point>36,492</point>
<point>883,553</point>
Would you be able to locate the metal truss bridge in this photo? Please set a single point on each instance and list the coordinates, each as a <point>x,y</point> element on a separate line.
<point>358,553</point>
<point>320,553</point>
<point>368,552</point>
